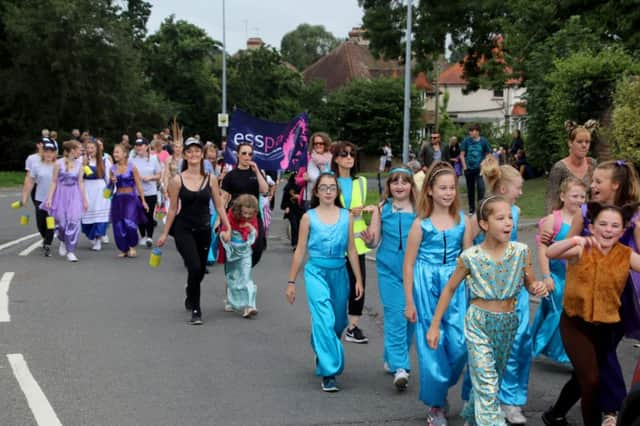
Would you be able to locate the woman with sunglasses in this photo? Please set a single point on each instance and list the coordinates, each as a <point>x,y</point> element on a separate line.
<point>246,178</point>
<point>319,161</point>
<point>353,195</point>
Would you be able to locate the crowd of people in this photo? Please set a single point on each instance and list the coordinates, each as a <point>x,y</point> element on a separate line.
<point>456,283</point>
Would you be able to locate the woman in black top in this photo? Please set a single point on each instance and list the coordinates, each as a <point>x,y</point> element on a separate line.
<point>191,226</point>
<point>246,178</point>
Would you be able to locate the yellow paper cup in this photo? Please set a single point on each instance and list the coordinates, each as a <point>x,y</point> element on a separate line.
<point>106,193</point>
<point>155,258</point>
<point>16,204</point>
<point>51,222</point>
<point>24,219</point>
<point>87,171</point>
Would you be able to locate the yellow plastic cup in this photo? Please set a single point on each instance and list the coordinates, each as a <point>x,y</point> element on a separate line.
<point>155,258</point>
<point>159,215</point>
<point>51,222</point>
<point>16,204</point>
<point>106,193</point>
<point>24,219</point>
<point>87,171</point>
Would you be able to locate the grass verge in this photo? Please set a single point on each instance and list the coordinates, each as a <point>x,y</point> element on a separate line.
<point>9,179</point>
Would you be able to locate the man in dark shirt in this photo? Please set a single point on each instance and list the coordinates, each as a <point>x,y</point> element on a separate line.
<point>473,150</point>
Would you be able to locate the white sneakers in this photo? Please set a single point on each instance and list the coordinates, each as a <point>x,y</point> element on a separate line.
<point>62,249</point>
<point>72,257</point>
<point>105,239</point>
<point>97,245</point>
<point>401,379</point>
<point>513,414</point>
<point>609,420</point>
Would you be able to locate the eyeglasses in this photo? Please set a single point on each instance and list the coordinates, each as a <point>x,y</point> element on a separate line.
<point>345,154</point>
<point>435,137</point>
<point>248,153</point>
<point>327,188</point>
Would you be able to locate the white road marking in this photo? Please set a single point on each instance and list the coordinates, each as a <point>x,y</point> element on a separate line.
<point>40,407</point>
<point>5,281</point>
<point>18,241</point>
<point>31,248</point>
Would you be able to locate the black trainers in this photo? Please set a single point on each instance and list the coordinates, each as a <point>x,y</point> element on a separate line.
<point>46,250</point>
<point>549,420</point>
<point>196,317</point>
<point>329,384</point>
<point>355,335</point>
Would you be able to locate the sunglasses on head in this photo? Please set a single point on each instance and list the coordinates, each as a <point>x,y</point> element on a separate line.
<point>345,154</point>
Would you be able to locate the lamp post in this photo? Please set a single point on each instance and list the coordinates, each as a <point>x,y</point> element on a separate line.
<point>224,67</point>
<point>407,86</point>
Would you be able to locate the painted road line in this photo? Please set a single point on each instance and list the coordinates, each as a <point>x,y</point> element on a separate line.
<point>31,248</point>
<point>5,281</point>
<point>18,241</point>
<point>40,407</point>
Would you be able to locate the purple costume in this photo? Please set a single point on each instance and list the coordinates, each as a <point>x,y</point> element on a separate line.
<point>66,205</point>
<point>126,211</point>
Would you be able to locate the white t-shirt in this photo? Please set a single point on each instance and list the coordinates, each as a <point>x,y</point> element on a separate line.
<point>147,167</point>
<point>42,174</point>
<point>31,161</point>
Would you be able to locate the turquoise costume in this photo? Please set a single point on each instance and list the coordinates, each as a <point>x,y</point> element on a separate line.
<point>435,263</point>
<point>488,333</point>
<point>241,291</point>
<point>515,382</point>
<point>327,285</point>
<point>398,332</point>
<point>545,329</point>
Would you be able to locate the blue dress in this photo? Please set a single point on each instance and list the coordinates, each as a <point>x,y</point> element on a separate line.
<point>241,290</point>
<point>435,263</point>
<point>327,285</point>
<point>398,332</point>
<point>545,330</point>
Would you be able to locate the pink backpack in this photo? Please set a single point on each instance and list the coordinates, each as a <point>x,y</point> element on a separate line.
<point>557,224</point>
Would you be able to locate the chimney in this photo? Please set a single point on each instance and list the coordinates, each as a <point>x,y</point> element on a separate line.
<point>254,43</point>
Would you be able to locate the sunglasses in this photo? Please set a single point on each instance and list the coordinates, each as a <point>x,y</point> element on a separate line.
<point>345,154</point>
<point>318,143</point>
<point>249,153</point>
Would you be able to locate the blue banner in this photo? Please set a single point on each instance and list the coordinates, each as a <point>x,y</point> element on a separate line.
<point>276,146</point>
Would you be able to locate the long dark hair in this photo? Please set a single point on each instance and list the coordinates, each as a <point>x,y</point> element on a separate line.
<point>315,200</point>
<point>185,164</point>
<point>338,147</point>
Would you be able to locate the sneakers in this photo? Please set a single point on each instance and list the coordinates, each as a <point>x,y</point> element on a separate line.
<point>143,242</point>
<point>249,312</point>
<point>436,417</point>
<point>386,368</point>
<point>72,257</point>
<point>401,379</point>
<point>46,251</point>
<point>329,384</point>
<point>609,419</point>
<point>97,245</point>
<point>549,420</point>
<point>513,414</point>
<point>148,243</point>
<point>105,239</point>
<point>62,249</point>
<point>196,317</point>
<point>355,335</point>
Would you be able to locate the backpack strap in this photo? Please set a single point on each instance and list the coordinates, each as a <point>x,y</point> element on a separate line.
<point>557,222</point>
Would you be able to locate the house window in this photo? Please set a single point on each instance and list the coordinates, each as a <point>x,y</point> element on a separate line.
<point>498,93</point>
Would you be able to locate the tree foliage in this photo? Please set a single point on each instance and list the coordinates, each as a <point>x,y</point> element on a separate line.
<point>306,44</point>
<point>369,113</point>
<point>625,132</point>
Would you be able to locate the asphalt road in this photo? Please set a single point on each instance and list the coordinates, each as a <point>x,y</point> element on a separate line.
<point>106,341</point>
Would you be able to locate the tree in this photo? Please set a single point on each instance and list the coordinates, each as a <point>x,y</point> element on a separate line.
<point>369,113</point>
<point>306,44</point>
<point>137,13</point>
<point>625,133</point>
<point>181,65</point>
<point>262,84</point>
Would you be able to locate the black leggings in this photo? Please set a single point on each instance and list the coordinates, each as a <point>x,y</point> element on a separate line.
<point>146,229</point>
<point>193,246</point>
<point>41,222</point>
<point>356,306</point>
<point>586,344</point>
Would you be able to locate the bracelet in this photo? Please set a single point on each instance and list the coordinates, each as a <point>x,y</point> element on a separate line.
<point>291,282</point>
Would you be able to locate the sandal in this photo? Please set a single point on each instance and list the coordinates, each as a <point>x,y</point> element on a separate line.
<point>132,252</point>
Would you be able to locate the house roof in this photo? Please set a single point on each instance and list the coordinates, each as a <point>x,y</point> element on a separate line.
<point>352,60</point>
<point>454,74</point>
<point>519,109</point>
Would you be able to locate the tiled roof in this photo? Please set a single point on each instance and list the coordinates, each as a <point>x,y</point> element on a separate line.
<point>453,75</point>
<point>519,109</point>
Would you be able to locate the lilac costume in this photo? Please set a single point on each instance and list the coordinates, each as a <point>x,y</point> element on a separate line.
<point>126,211</point>
<point>66,205</point>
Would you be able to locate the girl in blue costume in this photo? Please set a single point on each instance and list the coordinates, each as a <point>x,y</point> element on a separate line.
<point>545,331</point>
<point>326,231</point>
<point>506,181</point>
<point>495,272</point>
<point>436,238</point>
<point>390,224</point>
<point>614,182</point>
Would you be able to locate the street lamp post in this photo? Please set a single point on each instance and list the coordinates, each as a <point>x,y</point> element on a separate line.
<point>407,87</point>
<point>224,67</point>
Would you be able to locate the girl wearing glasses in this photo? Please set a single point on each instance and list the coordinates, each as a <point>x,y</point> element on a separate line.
<point>326,231</point>
<point>318,162</point>
<point>246,178</point>
<point>353,195</point>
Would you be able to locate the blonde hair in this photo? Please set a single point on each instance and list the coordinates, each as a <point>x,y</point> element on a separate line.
<point>394,177</point>
<point>425,201</point>
<point>564,188</point>
<point>247,201</point>
<point>495,175</point>
<point>68,146</point>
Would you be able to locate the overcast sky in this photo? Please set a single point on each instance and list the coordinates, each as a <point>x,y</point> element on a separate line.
<point>268,19</point>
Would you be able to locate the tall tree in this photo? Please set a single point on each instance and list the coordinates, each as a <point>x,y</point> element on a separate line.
<point>306,44</point>
<point>138,12</point>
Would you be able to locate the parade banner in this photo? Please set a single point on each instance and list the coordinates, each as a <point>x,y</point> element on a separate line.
<point>276,146</point>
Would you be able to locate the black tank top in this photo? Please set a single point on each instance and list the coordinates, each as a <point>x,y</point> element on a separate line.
<point>194,210</point>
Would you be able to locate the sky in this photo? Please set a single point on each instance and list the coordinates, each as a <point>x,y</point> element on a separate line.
<point>268,19</point>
